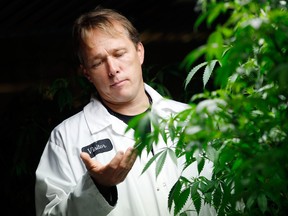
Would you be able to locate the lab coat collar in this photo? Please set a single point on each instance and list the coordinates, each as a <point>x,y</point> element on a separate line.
<point>98,118</point>
<point>96,115</point>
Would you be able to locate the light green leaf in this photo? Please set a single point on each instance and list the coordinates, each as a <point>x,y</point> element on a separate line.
<point>148,164</point>
<point>211,153</point>
<point>160,162</point>
<point>172,155</point>
<point>163,133</point>
<point>193,72</point>
<point>208,71</point>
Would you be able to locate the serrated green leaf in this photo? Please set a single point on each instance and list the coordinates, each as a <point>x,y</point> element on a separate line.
<point>172,155</point>
<point>174,193</point>
<point>208,71</point>
<point>200,164</point>
<point>148,142</point>
<point>193,72</point>
<point>208,185</point>
<point>181,201</point>
<point>217,197</point>
<point>163,135</point>
<point>139,145</point>
<point>171,129</point>
<point>148,164</point>
<point>196,198</point>
<point>160,162</point>
<point>194,187</point>
<point>184,180</point>
<point>211,153</point>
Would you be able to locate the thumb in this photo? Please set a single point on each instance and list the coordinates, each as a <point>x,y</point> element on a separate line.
<point>89,163</point>
<point>85,156</point>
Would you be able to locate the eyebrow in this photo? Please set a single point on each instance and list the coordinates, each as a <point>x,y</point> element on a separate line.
<point>99,55</point>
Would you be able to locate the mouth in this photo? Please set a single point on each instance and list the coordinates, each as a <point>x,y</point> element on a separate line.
<point>118,83</point>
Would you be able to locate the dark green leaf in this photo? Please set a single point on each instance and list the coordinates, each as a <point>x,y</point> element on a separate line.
<point>174,193</point>
<point>200,164</point>
<point>180,202</point>
<point>217,197</point>
<point>196,198</point>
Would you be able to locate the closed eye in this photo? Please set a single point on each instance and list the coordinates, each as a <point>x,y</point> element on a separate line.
<point>119,53</point>
<point>96,64</point>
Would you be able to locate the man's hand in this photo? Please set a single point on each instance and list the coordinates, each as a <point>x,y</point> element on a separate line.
<point>114,172</point>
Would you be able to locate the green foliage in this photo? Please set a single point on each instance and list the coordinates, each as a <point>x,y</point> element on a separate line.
<point>207,72</point>
<point>59,89</point>
<point>241,127</point>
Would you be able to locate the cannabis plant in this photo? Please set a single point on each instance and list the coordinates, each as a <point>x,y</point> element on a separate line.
<point>241,126</point>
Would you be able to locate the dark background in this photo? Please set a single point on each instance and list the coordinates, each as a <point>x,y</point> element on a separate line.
<point>36,49</point>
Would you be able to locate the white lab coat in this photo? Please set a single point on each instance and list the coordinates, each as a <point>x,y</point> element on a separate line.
<point>63,186</point>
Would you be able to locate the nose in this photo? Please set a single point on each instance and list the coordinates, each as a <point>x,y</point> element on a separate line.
<point>112,67</point>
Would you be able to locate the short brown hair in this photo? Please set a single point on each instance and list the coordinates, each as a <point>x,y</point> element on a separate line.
<point>102,18</point>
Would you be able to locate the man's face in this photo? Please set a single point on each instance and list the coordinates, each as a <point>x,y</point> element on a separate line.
<point>113,65</point>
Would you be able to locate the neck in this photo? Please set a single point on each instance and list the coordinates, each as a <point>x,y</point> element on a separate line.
<point>130,108</point>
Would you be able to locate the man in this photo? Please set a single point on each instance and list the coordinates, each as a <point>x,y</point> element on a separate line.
<point>89,165</point>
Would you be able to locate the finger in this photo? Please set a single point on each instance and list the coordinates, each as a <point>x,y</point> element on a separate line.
<point>129,158</point>
<point>121,163</point>
<point>134,154</point>
<point>114,163</point>
<point>127,163</point>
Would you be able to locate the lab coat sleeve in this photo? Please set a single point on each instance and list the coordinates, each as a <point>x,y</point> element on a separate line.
<point>59,192</point>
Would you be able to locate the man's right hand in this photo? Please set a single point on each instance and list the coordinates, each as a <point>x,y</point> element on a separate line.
<point>114,172</point>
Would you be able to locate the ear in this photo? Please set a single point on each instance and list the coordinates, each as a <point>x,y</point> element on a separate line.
<point>85,72</point>
<point>140,51</point>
